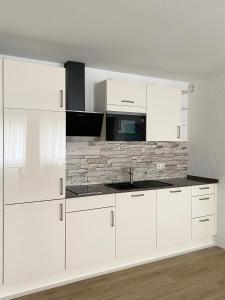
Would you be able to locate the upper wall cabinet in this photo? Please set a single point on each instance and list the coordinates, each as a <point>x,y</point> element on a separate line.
<point>33,86</point>
<point>114,95</point>
<point>34,155</point>
<point>163,113</point>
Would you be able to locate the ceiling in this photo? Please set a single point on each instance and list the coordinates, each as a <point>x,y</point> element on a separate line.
<point>178,39</point>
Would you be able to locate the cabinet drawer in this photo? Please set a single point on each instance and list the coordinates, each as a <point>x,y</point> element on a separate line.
<point>126,93</point>
<point>203,205</point>
<point>205,189</point>
<point>90,202</point>
<point>203,227</point>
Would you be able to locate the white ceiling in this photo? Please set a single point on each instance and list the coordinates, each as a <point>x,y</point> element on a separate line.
<point>179,39</point>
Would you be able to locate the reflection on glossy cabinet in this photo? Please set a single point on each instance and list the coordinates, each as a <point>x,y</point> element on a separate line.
<point>173,217</point>
<point>90,239</point>
<point>33,86</point>
<point>34,240</point>
<point>136,225</point>
<point>163,113</point>
<point>34,155</point>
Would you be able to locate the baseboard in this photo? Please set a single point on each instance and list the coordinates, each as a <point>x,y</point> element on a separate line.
<point>11,292</point>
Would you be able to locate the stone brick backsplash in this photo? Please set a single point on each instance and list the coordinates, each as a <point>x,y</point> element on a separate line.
<point>103,162</point>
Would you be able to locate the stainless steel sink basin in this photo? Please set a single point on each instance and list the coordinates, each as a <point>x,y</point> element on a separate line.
<point>146,184</point>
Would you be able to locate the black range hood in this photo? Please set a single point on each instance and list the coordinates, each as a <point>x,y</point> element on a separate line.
<point>78,121</point>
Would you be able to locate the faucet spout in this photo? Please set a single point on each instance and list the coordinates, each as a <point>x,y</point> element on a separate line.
<point>131,173</point>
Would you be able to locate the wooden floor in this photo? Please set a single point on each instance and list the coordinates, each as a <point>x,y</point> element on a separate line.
<point>198,275</point>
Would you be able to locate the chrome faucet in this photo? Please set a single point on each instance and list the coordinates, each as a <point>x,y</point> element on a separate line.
<point>131,173</point>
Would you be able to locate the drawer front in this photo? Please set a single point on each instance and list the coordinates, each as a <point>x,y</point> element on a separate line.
<point>90,202</point>
<point>203,205</point>
<point>124,108</point>
<point>126,93</point>
<point>203,227</point>
<point>205,189</point>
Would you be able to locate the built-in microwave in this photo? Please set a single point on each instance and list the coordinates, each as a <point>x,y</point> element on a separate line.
<point>125,126</point>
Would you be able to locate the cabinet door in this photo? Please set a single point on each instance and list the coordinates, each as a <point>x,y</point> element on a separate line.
<point>1,175</point>
<point>163,113</point>
<point>126,94</point>
<point>136,225</point>
<point>34,155</point>
<point>33,86</point>
<point>90,239</point>
<point>34,240</point>
<point>173,216</point>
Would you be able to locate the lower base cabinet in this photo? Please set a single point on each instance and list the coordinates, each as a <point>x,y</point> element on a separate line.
<point>90,239</point>
<point>136,225</point>
<point>173,217</point>
<point>34,240</point>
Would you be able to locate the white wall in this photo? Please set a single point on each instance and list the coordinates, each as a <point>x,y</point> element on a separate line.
<point>206,127</point>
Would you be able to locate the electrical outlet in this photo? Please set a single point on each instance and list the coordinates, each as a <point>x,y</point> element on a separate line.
<point>160,166</point>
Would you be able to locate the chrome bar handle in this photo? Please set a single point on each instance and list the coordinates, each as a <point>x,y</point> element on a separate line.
<point>138,195</point>
<point>127,101</point>
<point>205,220</point>
<point>61,186</point>
<point>61,98</point>
<point>178,132</point>
<point>112,218</point>
<point>204,188</point>
<point>206,198</point>
<point>177,191</point>
<point>61,212</point>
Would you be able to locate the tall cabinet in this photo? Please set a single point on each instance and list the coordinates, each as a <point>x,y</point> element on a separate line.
<point>34,170</point>
<point>1,174</point>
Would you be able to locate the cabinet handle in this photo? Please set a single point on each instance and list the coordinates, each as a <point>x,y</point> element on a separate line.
<point>205,220</point>
<point>204,188</point>
<point>61,212</point>
<point>177,191</point>
<point>61,98</point>
<point>207,198</point>
<point>138,195</point>
<point>112,218</point>
<point>178,132</point>
<point>127,101</point>
<point>61,186</point>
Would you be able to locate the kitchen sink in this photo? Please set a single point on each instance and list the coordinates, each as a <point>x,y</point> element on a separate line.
<point>146,184</point>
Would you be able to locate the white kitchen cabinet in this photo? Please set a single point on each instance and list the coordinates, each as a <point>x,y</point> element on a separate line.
<point>33,86</point>
<point>203,227</point>
<point>173,217</point>
<point>115,95</point>
<point>90,239</point>
<point>34,240</point>
<point>203,205</point>
<point>34,155</point>
<point>163,113</point>
<point>135,225</point>
<point>204,189</point>
<point>1,176</point>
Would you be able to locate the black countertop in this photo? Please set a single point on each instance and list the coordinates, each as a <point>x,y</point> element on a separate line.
<point>100,189</point>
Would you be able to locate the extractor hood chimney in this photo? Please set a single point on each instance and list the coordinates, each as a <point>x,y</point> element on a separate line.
<point>78,121</point>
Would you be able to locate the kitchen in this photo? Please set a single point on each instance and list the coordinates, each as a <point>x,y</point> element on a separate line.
<point>105,172</point>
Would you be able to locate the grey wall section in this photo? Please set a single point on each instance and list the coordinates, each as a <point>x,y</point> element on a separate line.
<point>101,162</point>
<point>207,138</point>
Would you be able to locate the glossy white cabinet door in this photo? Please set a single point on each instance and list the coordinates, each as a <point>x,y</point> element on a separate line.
<point>34,155</point>
<point>33,86</point>
<point>136,225</point>
<point>1,177</point>
<point>173,216</point>
<point>163,113</point>
<point>126,93</point>
<point>34,240</point>
<point>90,239</point>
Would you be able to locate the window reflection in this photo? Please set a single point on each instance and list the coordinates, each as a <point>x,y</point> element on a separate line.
<point>15,128</point>
<point>52,138</point>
